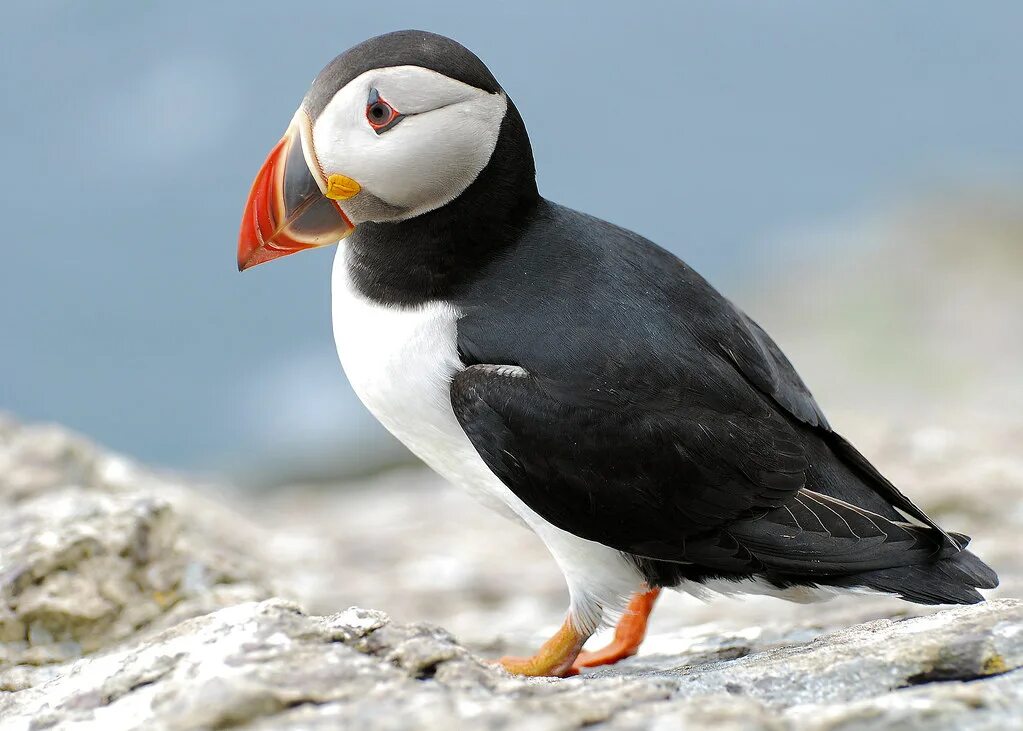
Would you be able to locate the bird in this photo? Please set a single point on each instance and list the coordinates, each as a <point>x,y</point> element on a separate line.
<point>569,373</point>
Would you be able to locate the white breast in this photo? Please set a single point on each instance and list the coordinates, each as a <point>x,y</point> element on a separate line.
<point>400,362</point>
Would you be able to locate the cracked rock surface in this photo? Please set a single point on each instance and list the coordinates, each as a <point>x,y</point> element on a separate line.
<point>130,600</point>
<point>267,665</point>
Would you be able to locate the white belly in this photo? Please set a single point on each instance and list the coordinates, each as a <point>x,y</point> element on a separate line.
<point>400,362</point>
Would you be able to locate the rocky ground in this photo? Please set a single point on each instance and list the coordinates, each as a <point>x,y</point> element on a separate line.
<point>133,600</point>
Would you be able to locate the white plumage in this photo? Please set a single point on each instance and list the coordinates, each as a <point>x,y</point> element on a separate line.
<point>400,363</point>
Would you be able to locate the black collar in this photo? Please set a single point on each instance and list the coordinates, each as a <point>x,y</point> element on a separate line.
<point>433,256</point>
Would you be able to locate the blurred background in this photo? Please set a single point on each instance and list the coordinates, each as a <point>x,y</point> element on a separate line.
<point>850,173</point>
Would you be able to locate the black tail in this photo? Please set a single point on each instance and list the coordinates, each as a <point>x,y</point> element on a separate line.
<point>951,580</point>
<point>817,539</point>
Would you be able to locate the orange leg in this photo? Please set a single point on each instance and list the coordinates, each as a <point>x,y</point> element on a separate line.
<point>629,633</point>
<point>555,658</point>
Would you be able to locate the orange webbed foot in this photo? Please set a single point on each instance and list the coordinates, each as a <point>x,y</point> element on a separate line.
<point>628,637</point>
<point>554,659</point>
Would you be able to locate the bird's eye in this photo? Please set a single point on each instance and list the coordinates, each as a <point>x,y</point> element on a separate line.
<point>381,115</point>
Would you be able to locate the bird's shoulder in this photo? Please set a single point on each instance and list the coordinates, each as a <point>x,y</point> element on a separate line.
<point>601,313</point>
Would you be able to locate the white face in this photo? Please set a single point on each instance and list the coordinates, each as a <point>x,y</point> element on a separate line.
<point>426,157</point>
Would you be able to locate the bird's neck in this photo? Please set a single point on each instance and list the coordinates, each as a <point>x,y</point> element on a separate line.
<point>433,256</point>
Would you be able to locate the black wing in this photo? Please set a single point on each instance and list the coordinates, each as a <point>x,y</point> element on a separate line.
<point>626,476</point>
<point>756,356</point>
<point>653,412</point>
<point>723,490</point>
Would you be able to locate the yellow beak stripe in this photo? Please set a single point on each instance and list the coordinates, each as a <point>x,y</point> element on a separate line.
<point>341,187</point>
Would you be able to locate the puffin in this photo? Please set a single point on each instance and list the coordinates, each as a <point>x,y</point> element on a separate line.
<point>567,372</point>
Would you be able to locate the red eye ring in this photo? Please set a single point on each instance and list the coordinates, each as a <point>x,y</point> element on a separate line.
<point>380,114</point>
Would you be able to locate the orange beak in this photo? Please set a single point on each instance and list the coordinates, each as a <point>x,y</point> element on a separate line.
<point>287,211</point>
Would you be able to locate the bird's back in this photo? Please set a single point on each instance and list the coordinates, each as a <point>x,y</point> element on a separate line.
<point>612,324</point>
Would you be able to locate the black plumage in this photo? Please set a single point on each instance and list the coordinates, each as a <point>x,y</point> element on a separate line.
<point>657,418</point>
<point>651,414</point>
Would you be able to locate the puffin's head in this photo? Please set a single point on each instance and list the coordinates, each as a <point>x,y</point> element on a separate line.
<point>397,126</point>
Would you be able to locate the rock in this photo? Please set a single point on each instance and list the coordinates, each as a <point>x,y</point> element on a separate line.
<point>128,600</point>
<point>93,550</point>
<point>268,666</point>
